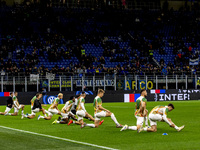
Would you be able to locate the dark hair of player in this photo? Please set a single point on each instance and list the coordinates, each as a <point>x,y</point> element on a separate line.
<point>82,93</point>
<point>77,96</point>
<point>101,91</point>
<point>71,97</point>
<point>171,105</point>
<point>11,93</point>
<point>142,91</point>
<point>37,94</point>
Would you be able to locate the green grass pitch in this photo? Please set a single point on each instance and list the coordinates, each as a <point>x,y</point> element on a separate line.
<point>185,113</point>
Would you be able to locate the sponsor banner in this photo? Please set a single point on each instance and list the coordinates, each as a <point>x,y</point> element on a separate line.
<point>4,94</point>
<point>194,61</point>
<point>128,85</point>
<point>49,99</point>
<point>56,84</point>
<point>111,96</point>
<point>173,95</point>
<point>142,85</point>
<point>89,83</point>
<point>131,97</point>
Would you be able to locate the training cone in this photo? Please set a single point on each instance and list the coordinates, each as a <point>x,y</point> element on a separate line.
<point>164,134</point>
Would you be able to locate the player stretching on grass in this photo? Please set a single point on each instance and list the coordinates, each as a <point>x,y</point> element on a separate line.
<point>9,105</point>
<point>140,113</point>
<point>17,106</point>
<point>73,109</point>
<point>100,112</point>
<point>159,113</point>
<point>36,107</point>
<point>53,109</point>
<point>81,111</point>
<point>66,110</point>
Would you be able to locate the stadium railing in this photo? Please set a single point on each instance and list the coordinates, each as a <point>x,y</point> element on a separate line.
<point>91,82</point>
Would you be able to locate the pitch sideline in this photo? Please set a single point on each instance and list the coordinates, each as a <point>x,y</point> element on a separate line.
<point>59,138</point>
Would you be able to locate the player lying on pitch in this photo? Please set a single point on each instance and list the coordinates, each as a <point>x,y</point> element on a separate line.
<point>66,110</point>
<point>81,111</point>
<point>53,109</point>
<point>140,112</point>
<point>100,111</point>
<point>159,113</point>
<point>36,107</point>
<point>9,104</point>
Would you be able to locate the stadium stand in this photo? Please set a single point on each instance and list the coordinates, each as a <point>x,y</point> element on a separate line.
<point>82,40</point>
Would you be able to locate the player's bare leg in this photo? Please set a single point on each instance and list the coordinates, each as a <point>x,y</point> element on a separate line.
<point>152,129</point>
<point>89,116</point>
<point>31,117</point>
<point>13,114</point>
<point>44,111</point>
<point>22,107</point>
<point>80,122</point>
<point>146,118</point>
<point>96,123</point>
<point>63,121</point>
<point>3,113</point>
<point>72,116</point>
<point>46,118</point>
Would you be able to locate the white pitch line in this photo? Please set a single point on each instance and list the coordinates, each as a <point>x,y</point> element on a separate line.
<point>59,138</point>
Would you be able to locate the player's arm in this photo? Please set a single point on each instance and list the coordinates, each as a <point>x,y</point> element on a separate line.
<point>83,107</point>
<point>15,104</point>
<point>142,107</point>
<point>164,117</point>
<point>101,108</point>
<point>56,106</point>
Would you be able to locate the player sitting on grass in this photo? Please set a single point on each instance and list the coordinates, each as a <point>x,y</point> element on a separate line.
<point>140,112</point>
<point>9,105</point>
<point>36,107</point>
<point>159,113</point>
<point>17,106</point>
<point>81,111</point>
<point>66,110</point>
<point>73,109</point>
<point>53,109</point>
<point>33,100</point>
<point>100,112</point>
